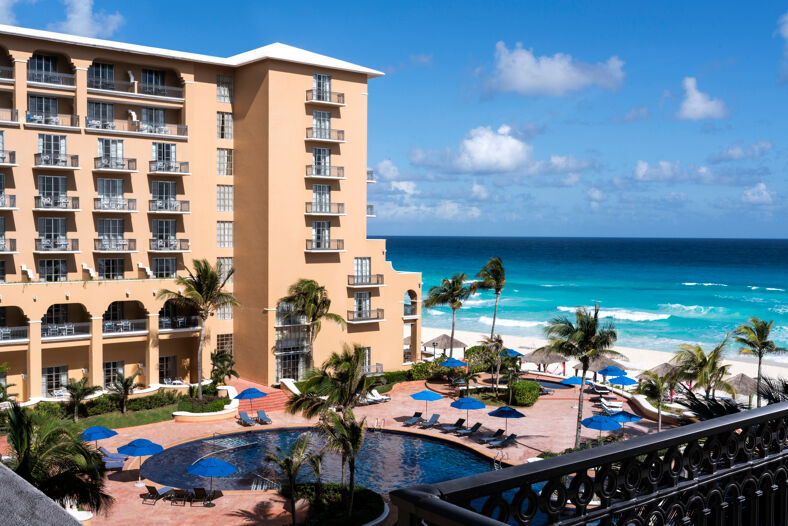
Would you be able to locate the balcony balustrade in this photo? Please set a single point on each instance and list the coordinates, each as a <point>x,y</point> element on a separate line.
<point>368,280</point>
<point>9,115</point>
<point>370,210</point>
<point>371,176</point>
<point>56,244</point>
<point>9,335</point>
<point>325,171</point>
<point>160,91</point>
<point>178,322</point>
<point>410,310</point>
<point>114,204</point>
<point>47,77</point>
<point>55,202</point>
<point>55,160</point>
<point>333,245</point>
<point>329,97</point>
<point>119,126</point>
<point>52,119</point>
<point>329,209</point>
<point>168,167</point>
<point>325,134</point>
<point>179,130</point>
<point>372,369</point>
<point>169,206</point>
<point>169,244</point>
<point>7,201</point>
<point>7,158</point>
<point>120,327</point>
<point>7,245</point>
<point>6,73</point>
<point>123,86</point>
<point>106,244</point>
<point>51,331</point>
<point>364,315</point>
<point>119,164</point>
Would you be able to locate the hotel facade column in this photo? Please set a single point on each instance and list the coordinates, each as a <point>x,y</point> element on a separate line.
<point>96,356</point>
<point>34,359</point>
<point>20,84</point>
<point>81,89</point>
<point>152,351</point>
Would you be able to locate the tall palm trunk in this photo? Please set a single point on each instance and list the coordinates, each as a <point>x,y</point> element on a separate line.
<point>659,416</point>
<point>495,314</point>
<point>293,499</point>
<point>580,406</point>
<point>342,484</point>
<point>451,343</point>
<point>351,491</point>
<point>758,384</point>
<point>199,357</point>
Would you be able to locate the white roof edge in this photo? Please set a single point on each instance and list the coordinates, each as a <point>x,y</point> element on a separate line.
<point>275,51</point>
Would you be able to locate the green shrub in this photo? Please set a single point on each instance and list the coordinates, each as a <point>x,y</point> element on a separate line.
<point>525,393</point>
<point>479,359</point>
<point>203,406</point>
<point>102,404</point>
<point>421,370</point>
<point>367,505</point>
<point>393,377</point>
<point>207,390</point>
<point>159,399</point>
<point>51,409</point>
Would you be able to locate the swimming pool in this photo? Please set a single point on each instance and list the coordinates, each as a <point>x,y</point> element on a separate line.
<point>388,460</point>
<point>552,385</point>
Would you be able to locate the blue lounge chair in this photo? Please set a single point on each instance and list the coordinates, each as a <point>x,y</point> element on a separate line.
<point>109,454</point>
<point>498,434</point>
<point>469,432</point>
<point>505,442</point>
<point>113,464</point>
<point>412,420</point>
<point>453,427</point>
<point>262,418</point>
<point>431,422</point>
<point>244,419</point>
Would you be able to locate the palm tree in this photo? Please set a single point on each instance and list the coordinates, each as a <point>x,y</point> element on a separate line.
<point>755,341</point>
<point>123,386</point>
<point>492,276</point>
<point>468,376</point>
<point>55,461</point>
<point>290,464</point>
<point>494,346</point>
<point>584,339</point>
<point>702,369</point>
<point>656,386</point>
<point>79,391</point>
<point>345,435</point>
<point>511,375</point>
<point>222,363</point>
<point>203,293</point>
<point>451,292</point>
<point>315,461</point>
<point>4,396</point>
<point>310,300</point>
<point>774,390</point>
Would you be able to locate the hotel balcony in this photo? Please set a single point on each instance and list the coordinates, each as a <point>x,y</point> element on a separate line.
<point>325,98</point>
<point>333,245</point>
<point>65,331</point>
<point>51,79</point>
<point>135,90</point>
<point>9,117</point>
<point>371,176</point>
<point>174,323</point>
<point>168,206</point>
<point>8,202</point>
<point>157,90</point>
<point>169,168</point>
<point>114,165</point>
<point>122,86</point>
<point>318,171</point>
<point>114,246</point>
<point>114,204</point>
<point>325,135</point>
<point>169,244</point>
<point>56,245</point>
<point>410,312</point>
<point>365,281</point>
<point>13,335</point>
<point>139,128</point>
<point>45,203</point>
<point>373,369</point>
<point>7,159</point>
<point>56,161</point>
<point>120,328</point>
<point>370,210</point>
<point>365,316</point>
<point>53,121</point>
<point>7,246</point>
<point>325,209</point>
<point>6,74</point>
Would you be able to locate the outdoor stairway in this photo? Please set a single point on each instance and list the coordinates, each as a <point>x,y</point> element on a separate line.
<point>274,401</point>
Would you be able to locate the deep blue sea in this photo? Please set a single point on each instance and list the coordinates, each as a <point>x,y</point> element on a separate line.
<point>659,292</point>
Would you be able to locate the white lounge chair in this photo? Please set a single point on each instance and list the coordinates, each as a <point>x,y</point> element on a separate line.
<point>382,398</point>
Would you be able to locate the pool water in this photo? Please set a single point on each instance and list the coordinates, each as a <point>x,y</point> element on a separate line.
<point>553,385</point>
<point>388,460</point>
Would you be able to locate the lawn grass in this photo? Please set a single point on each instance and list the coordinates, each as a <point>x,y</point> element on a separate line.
<point>118,420</point>
<point>489,398</point>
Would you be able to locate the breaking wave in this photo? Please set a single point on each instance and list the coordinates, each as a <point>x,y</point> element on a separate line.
<point>503,322</point>
<point>624,314</point>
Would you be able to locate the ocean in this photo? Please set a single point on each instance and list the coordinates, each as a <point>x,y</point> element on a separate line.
<point>660,293</point>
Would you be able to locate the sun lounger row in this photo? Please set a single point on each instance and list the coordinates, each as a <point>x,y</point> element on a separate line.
<point>497,439</point>
<point>262,418</point>
<point>178,496</point>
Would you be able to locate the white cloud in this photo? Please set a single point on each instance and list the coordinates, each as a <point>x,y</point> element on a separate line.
<point>698,105</point>
<point>596,196</point>
<point>442,210</point>
<point>570,179</point>
<point>557,164</point>
<point>82,20</point>
<point>663,171</point>
<point>633,115</point>
<point>737,152</point>
<point>7,15</point>
<point>387,170</point>
<point>757,195</point>
<point>406,187</point>
<point>519,71</point>
<point>479,191</point>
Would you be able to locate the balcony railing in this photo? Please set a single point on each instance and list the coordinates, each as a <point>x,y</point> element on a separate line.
<point>45,77</point>
<point>13,333</point>
<point>160,91</point>
<point>325,96</point>
<point>370,176</point>
<point>325,208</point>
<point>364,315</point>
<point>114,245</point>
<point>56,202</point>
<point>321,170</point>
<point>123,326</point>
<point>60,330</point>
<point>114,204</point>
<point>169,244</point>
<point>7,244</point>
<point>7,157</point>
<point>332,245</point>
<point>51,119</point>
<point>9,115</point>
<point>181,130</point>
<point>365,280</point>
<point>7,200</point>
<point>373,369</point>
<point>179,322</point>
<point>114,163</point>
<point>6,72</point>
<point>56,244</point>
<point>170,167</point>
<point>168,205</point>
<point>370,210</point>
<point>724,471</point>
<point>407,356</point>
<point>323,134</point>
<point>410,310</point>
<point>111,85</point>
<point>56,160</point>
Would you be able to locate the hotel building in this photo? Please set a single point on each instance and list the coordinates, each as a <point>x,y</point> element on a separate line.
<point>120,163</point>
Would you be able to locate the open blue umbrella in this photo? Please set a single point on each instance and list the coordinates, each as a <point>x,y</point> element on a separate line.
<point>140,448</point>
<point>511,353</point>
<point>211,467</point>
<point>250,394</point>
<point>622,380</point>
<point>612,370</point>
<point>625,417</point>
<point>507,413</point>
<point>427,396</point>
<point>468,403</point>
<point>453,362</point>
<point>601,423</point>
<point>573,380</point>
<point>96,433</point>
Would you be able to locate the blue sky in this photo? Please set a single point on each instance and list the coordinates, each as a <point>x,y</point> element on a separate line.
<point>538,118</point>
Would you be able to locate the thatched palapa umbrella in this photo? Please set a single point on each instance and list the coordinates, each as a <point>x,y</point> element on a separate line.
<point>662,369</point>
<point>443,342</point>
<point>544,356</point>
<point>744,385</point>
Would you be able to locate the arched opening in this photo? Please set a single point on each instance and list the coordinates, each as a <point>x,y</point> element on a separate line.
<point>124,317</point>
<point>13,325</point>
<point>65,320</point>
<point>47,68</point>
<point>175,316</point>
<point>411,304</point>
<point>7,113</point>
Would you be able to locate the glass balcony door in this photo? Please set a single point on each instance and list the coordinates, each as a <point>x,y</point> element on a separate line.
<point>110,233</point>
<point>100,112</point>
<point>321,198</point>
<point>101,75</point>
<point>52,229</point>
<point>43,106</point>
<point>52,189</point>
<point>54,145</point>
<point>110,191</point>
<point>362,304</point>
<point>321,237</point>
<point>321,160</point>
<point>321,123</point>
<point>322,86</point>
<point>362,270</point>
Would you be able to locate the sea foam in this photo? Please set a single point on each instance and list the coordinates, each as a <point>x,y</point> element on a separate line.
<point>503,322</point>
<point>694,309</point>
<point>623,314</point>
<point>689,284</point>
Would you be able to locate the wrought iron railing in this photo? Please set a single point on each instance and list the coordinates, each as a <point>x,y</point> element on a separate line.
<point>48,77</point>
<point>181,130</point>
<point>108,244</point>
<point>325,96</point>
<point>56,244</point>
<point>53,119</point>
<point>322,170</point>
<point>7,200</point>
<point>325,208</point>
<point>114,204</point>
<point>168,205</point>
<point>169,244</point>
<point>110,84</point>
<point>325,134</point>
<point>410,310</point>
<point>6,72</point>
<point>59,330</point>
<point>170,167</point>
<point>9,115</point>
<point>56,160</point>
<point>364,280</point>
<point>365,315</point>
<point>7,157</point>
<point>121,326</point>
<point>13,333</point>
<point>179,322</point>
<point>114,163</point>
<point>728,470</point>
<point>56,202</point>
<point>370,175</point>
<point>160,91</point>
<point>318,246</point>
<point>7,244</point>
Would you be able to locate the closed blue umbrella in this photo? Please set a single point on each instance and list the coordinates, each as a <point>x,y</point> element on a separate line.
<point>427,396</point>
<point>211,467</point>
<point>140,448</point>
<point>96,433</point>
<point>601,423</point>
<point>453,362</point>
<point>507,413</point>
<point>622,380</point>
<point>250,394</point>
<point>468,403</point>
<point>573,380</point>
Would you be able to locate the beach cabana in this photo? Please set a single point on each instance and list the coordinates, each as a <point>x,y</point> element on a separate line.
<point>597,364</point>
<point>444,343</point>
<point>543,357</point>
<point>662,369</point>
<point>744,385</point>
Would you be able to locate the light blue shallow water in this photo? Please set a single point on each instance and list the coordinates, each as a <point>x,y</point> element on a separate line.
<point>659,292</point>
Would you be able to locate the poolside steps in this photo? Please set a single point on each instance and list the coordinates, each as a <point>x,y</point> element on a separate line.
<point>274,401</point>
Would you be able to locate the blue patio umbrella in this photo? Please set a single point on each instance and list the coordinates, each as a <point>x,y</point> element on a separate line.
<point>622,380</point>
<point>211,467</point>
<point>507,413</point>
<point>601,423</point>
<point>250,394</point>
<point>612,370</point>
<point>453,362</point>
<point>573,380</point>
<point>427,396</point>
<point>140,448</point>
<point>511,353</point>
<point>468,403</point>
<point>625,417</point>
<point>96,433</point>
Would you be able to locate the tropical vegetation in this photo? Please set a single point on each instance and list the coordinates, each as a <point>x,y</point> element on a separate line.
<point>289,463</point>
<point>78,391</point>
<point>5,395</point>
<point>345,435</point>
<point>222,366</point>
<point>122,387</point>
<point>655,386</point>
<point>451,293</point>
<point>754,338</point>
<point>703,370</point>
<point>492,276</point>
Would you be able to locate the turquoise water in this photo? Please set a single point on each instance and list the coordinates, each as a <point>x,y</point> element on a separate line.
<point>659,292</point>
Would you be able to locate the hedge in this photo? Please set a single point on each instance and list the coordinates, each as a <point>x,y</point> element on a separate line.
<point>205,405</point>
<point>108,403</point>
<point>393,377</point>
<point>525,393</point>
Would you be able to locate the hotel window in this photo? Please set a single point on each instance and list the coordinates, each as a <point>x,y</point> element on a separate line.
<point>152,120</point>
<point>291,366</point>
<point>321,125</point>
<point>53,379</point>
<point>163,267</point>
<point>111,268</point>
<point>225,312</point>
<point>361,304</point>
<point>321,234</point>
<point>224,161</point>
<point>224,234</point>
<point>225,265</point>
<point>224,198</point>
<point>52,270</point>
<point>362,270</point>
<point>2,146</point>
<point>110,148</point>
<point>43,106</point>
<point>322,86</point>
<point>224,342</point>
<point>321,160</point>
<point>51,188</point>
<point>54,145</point>
<point>42,64</point>
<point>321,198</point>
<point>168,368</point>
<point>112,370</point>
<point>101,76</point>
<point>52,230</point>
<point>224,88</point>
<point>100,112</point>
<point>57,313</point>
<point>110,233</point>
<point>367,353</point>
<point>164,231</point>
<point>2,271</point>
<point>163,151</point>
<point>152,82</point>
<point>110,191</point>
<point>224,125</point>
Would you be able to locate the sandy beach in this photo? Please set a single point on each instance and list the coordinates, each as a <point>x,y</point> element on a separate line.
<point>636,360</point>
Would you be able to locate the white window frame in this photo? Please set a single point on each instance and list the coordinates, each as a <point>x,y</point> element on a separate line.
<point>224,161</point>
<point>224,234</point>
<point>224,198</point>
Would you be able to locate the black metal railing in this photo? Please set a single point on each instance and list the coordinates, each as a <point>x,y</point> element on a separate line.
<point>370,210</point>
<point>364,315</point>
<point>168,205</point>
<point>179,322</point>
<point>410,310</point>
<point>7,72</point>
<point>9,115</point>
<point>13,333</point>
<point>56,202</point>
<point>122,326</point>
<point>114,163</point>
<point>322,170</point>
<point>328,245</point>
<point>108,244</point>
<point>60,330</point>
<point>56,160</point>
<point>325,208</point>
<point>114,204</point>
<point>160,128</point>
<point>325,134</point>
<point>370,175</point>
<point>53,119</point>
<point>56,244</point>
<point>170,167</point>
<point>365,280</point>
<point>728,470</point>
<point>110,84</point>
<point>7,244</point>
<point>325,96</point>
<point>160,91</point>
<point>48,77</point>
<point>7,157</point>
<point>7,200</point>
<point>169,244</point>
